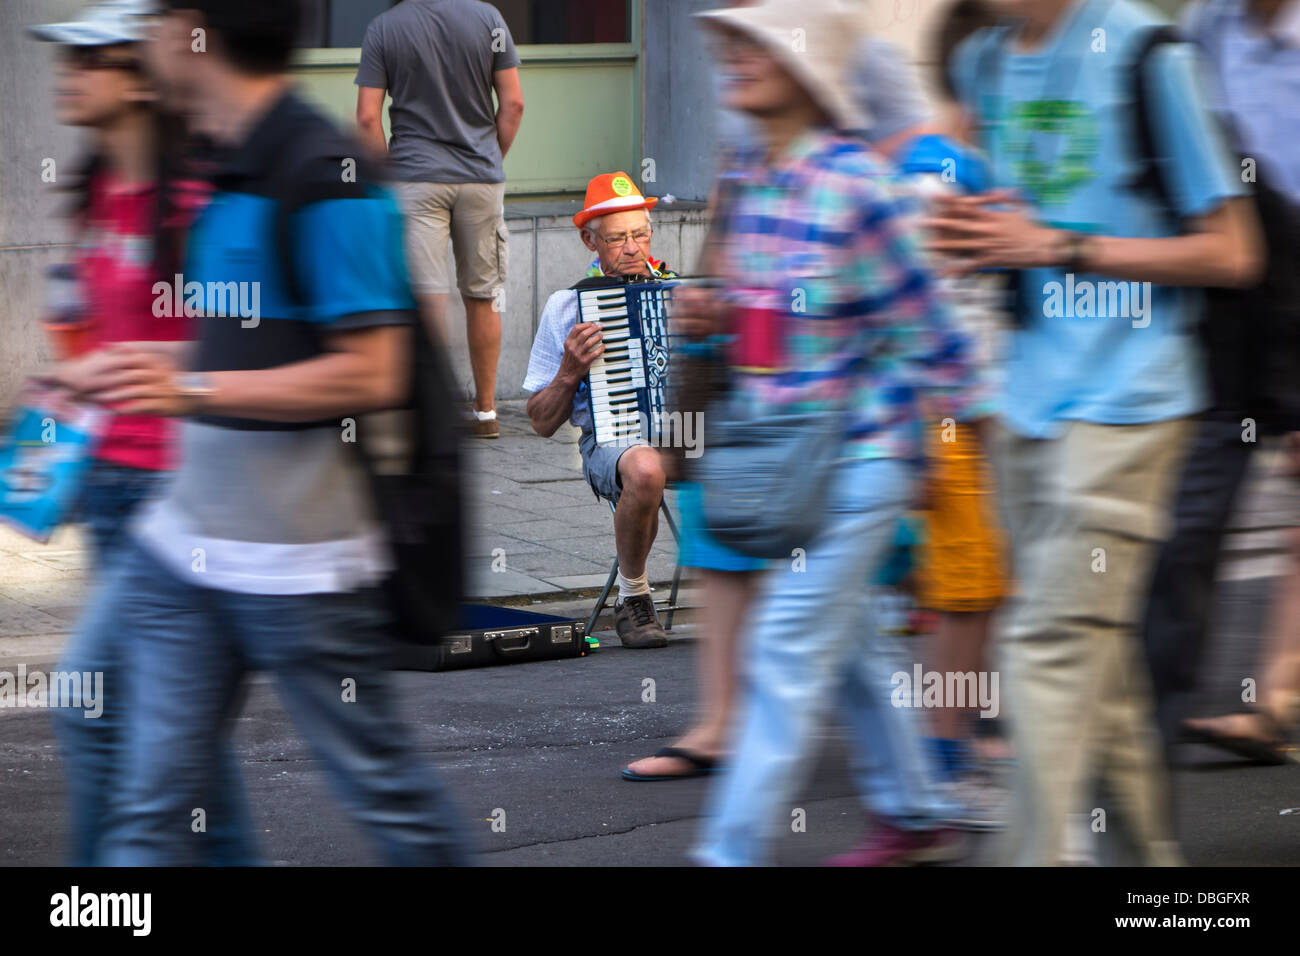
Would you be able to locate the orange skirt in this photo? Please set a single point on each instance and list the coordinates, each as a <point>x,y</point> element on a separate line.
<point>964,556</point>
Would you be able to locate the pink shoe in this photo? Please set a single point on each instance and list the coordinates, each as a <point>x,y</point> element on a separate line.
<point>887,845</point>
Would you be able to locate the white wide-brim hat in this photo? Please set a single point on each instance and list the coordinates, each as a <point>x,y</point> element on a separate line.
<point>101,24</point>
<point>815,40</point>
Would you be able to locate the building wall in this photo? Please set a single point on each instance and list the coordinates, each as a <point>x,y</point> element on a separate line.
<point>679,105</point>
<point>582,118</point>
<point>32,234</point>
<point>590,109</point>
<point>581,110</point>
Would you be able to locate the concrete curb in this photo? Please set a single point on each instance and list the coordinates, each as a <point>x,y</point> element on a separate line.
<point>42,651</point>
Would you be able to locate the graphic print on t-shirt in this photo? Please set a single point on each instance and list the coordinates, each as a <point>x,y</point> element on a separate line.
<point>1054,145</point>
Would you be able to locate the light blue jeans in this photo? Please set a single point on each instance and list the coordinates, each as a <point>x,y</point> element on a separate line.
<point>812,649</point>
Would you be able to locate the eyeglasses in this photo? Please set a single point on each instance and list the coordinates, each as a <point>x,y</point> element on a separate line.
<point>96,58</point>
<point>640,238</point>
<point>737,45</point>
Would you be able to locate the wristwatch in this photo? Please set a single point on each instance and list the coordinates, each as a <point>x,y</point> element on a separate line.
<point>193,387</point>
<point>1077,251</point>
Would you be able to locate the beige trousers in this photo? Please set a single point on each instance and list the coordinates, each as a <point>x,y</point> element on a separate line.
<point>1085,512</point>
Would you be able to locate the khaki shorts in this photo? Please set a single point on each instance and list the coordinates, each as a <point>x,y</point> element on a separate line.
<point>472,216</point>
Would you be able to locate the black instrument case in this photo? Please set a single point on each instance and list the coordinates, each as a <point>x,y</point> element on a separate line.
<point>497,635</point>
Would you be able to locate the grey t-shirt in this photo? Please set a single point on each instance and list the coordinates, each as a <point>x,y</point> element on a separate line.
<point>437,58</point>
<point>266,512</point>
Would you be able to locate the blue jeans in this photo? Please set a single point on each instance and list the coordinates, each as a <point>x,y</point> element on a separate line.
<point>190,648</point>
<point>812,648</point>
<point>109,498</point>
<point>93,748</point>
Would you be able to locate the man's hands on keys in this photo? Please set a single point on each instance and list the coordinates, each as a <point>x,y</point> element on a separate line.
<point>582,347</point>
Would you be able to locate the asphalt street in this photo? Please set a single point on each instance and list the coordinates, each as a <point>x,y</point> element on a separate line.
<point>544,743</point>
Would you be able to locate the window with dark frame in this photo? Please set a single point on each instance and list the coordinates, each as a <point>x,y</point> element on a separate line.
<point>342,23</point>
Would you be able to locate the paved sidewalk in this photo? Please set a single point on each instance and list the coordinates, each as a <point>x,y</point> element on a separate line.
<point>537,535</point>
<point>537,528</point>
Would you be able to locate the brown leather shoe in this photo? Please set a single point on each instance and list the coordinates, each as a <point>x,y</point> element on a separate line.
<point>480,429</point>
<point>637,623</point>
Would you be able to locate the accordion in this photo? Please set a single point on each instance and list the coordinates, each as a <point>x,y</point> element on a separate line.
<point>628,383</point>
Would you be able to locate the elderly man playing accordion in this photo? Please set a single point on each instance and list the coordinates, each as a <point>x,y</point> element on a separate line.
<point>615,224</point>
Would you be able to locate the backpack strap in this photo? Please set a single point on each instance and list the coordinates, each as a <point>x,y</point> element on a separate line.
<point>290,196</point>
<point>293,188</point>
<point>988,62</point>
<point>1151,178</point>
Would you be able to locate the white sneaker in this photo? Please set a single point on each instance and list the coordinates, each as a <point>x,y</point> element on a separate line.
<point>980,800</point>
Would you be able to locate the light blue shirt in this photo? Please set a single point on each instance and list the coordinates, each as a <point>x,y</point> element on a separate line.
<point>1058,125</point>
<point>559,316</point>
<point>1256,81</point>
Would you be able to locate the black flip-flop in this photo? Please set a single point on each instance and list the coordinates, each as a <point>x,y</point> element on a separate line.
<point>700,765</point>
<point>1251,748</point>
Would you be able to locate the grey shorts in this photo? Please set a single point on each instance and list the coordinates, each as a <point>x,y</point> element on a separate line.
<point>600,464</point>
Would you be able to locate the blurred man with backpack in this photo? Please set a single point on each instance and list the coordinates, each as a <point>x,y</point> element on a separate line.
<point>1079,106</point>
<point>266,552</point>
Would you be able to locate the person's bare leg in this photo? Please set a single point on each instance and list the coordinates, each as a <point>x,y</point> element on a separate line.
<point>483,331</point>
<point>958,647</point>
<point>727,596</point>
<point>1279,680</point>
<point>433,310</point>
<point>636,517</point>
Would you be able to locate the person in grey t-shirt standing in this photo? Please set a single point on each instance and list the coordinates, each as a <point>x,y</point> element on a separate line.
<point>441,60</point>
